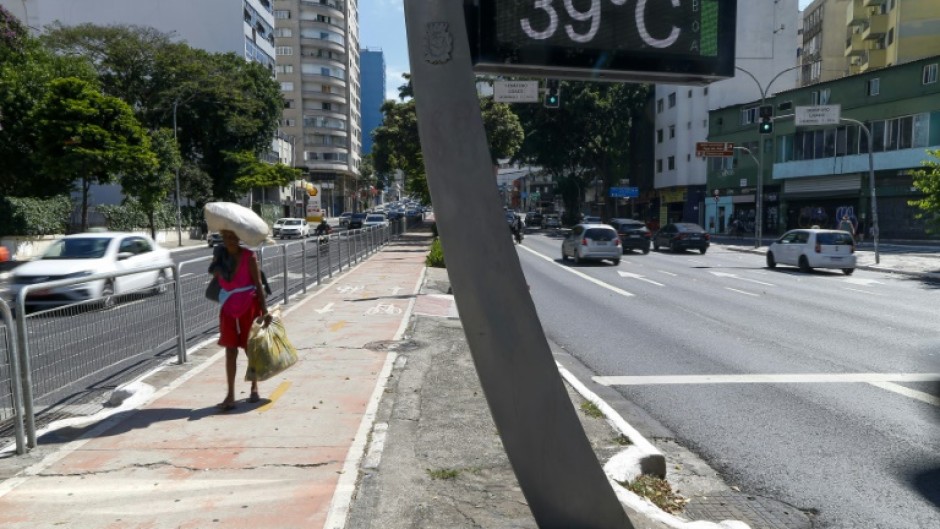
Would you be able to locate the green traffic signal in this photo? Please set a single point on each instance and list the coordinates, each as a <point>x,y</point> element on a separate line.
<point>766,127</point>
<point>551,101</point>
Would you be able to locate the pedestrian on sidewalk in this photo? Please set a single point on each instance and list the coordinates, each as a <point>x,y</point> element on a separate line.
<point>242,300</point>
<point>846,225</point>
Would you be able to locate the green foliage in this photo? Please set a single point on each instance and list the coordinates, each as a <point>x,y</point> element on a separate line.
<point>150,188</point>
<point>13,35</point>
<point>444,473</point>
<point>34,216</point>
<point>590,135</point>
<point>435,258</point>
<point>397,146</point>
<point>657,491</point>
<point>87,136</point>
<point>927,181</point>
<point>591,410</point>
<point>132,216</point>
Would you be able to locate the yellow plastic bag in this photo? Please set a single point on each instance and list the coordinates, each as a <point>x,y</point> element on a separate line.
<point>269,350</point>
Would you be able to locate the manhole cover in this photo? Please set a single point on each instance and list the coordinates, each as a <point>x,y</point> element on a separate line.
<point>757,511</point>
<point>392,345</point>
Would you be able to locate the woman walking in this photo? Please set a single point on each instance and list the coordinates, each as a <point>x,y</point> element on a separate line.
<point>242,299</point>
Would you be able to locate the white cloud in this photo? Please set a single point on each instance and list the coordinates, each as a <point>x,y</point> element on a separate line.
<point>393,80</point>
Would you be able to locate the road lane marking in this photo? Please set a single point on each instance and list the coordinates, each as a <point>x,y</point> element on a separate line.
<point>641,278</point>
<point>908,392</point>
<point>742,292</point>
<point>668,273</point>
<point>735,276</point>
<point>797,378</point>
<point>278,392</point>
<point>577,273</point>
<point>337,326</point>
<point>868,292</point>
<point>326,308</point>
<point>862,281</point>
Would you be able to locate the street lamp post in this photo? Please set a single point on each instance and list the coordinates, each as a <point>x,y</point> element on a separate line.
<point>759,226</point>
<point>871,184</point>
<point>179,214</point>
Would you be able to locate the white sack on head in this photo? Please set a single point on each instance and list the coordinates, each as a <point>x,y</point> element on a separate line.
<point>249,227</point>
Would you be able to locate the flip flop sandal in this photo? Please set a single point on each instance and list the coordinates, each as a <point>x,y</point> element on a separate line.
<point>254,397</point>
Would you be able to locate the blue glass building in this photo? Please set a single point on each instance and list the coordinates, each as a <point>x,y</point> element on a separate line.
<point>372,68</point>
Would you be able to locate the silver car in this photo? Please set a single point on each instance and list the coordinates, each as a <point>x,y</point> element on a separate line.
<point>592,242</point>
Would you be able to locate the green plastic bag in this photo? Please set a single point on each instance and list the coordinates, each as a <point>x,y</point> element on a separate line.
<point>269,350</point>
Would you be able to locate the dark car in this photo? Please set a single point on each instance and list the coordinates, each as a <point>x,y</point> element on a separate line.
<point>534,219</point>
<point>634,235</point>
<point>356,220</point>
<point>214,239</point>
<point>682,236</point>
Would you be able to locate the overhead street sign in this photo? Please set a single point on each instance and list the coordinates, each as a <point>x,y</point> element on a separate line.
<point>714,149</point>
<point>818,115</point>
<point>624,192</point>
<point>516,91</point>
<point>604,40</point>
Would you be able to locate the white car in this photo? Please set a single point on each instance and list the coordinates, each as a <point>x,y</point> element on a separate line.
<point>814,248</point>
<point>375,219</point>
<point>85,254</point>
<point>294,228</point>
<point>592,241</point>
<point>276,227</point>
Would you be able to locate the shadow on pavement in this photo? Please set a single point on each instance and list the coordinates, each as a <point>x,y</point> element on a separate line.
<point>927,484</point>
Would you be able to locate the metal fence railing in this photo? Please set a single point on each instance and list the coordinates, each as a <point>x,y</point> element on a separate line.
<point>66,361</point>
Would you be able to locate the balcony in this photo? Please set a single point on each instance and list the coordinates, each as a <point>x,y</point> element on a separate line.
<point>337,5</point>
<point>877,27</point>
<point>854,45</point>
<point>323,43</point>
<point>855,13</point>
<point>325,96</point>
<point>873,60</point>
<point>335,82</point>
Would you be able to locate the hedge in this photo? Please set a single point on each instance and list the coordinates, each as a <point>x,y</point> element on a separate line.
<point>34,216</point>
<point>435,258</point>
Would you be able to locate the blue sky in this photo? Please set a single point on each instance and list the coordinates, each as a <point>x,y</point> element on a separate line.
<point>382,25</point>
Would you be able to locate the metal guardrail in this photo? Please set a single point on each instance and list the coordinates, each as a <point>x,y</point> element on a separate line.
<point>69,356</point>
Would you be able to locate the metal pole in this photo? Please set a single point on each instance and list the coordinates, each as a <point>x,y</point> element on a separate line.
<point>284,267</point>
<point>759,225</point>
<point>180,320</point>
<point>871,184</point>
<point>303,268</point>
<point>15,382</point>
<point>26,370</point>
<point>556,467</point>
<point>179,213</point>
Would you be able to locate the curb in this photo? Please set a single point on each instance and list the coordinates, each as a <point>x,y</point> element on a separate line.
<point>873,268</point>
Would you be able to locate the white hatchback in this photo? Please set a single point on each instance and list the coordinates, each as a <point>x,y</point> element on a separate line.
<point>814,248</point>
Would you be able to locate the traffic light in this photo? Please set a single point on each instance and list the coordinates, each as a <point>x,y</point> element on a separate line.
<point>552,97</point>
<point>766,113</point>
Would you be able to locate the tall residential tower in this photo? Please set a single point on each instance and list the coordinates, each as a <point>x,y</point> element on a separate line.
<point>373,93</point>
<point>317,45</point>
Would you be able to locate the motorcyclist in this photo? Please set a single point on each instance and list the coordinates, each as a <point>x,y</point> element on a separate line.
<point>518,226</point>
<point>323,228</point>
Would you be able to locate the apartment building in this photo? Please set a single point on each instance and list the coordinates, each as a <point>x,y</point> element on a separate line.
<point>317,46</point>
<point>823,41</point>
<point>244,27</point>
<point>815,175</point>
<point>882,33</point>
<point>766,57</point>
<point>373,93</point>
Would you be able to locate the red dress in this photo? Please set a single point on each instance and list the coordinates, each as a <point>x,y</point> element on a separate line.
<point>239,304</point>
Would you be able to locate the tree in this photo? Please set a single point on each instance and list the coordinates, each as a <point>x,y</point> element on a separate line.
<point>89,137</point>
<point>588,136</point>
<point>150,188</point>
<point>396,144</point>
<point>251,173</point>
<point>26,69</point>
<point>927,181</point>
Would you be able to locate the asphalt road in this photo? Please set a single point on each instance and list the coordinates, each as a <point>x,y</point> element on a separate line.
<point>817,389</point>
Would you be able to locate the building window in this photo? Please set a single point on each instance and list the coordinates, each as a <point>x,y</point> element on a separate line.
<point>874,86</point>
<point>284,50</point>
<point>672,163</point>
<point>659,166</point>
<point>289,103</point>
<point>282,14</point>
<point>824,96</point>
<point>284,68</point>
<point>287,86</point>
<point>659,106</point>
<point>890,36</point>
<point>930,73</point>
<point>290,122</point>
<point>672,100</point>
<point>748,115</point>
<point>283,32</point>
<point>672,131</point>
<point>659,136</point>
<point>815,98</point>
